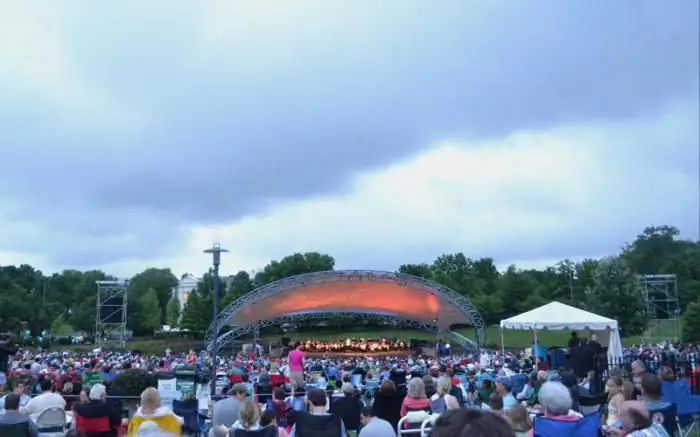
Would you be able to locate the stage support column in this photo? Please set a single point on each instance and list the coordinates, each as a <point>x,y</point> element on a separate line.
<point>216,251</point>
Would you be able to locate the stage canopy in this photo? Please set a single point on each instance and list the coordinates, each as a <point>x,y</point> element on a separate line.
<point>559,316</point>
<point>363,292</point>
<point>411,300</point>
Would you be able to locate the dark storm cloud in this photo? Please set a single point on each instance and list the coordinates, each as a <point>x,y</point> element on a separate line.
<point>230,131</point>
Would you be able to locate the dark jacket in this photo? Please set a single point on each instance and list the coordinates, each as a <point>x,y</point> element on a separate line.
<point>387,406</point>
<point>96,410</point>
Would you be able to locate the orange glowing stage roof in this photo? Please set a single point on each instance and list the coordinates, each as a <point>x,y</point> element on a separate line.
<point>364,292</point>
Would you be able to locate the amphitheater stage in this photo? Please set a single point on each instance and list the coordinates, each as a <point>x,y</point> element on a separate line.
<point>358,354</point>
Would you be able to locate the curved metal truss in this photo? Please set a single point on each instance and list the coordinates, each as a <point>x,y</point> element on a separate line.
<point>313,316</point>
<point>335,276</point>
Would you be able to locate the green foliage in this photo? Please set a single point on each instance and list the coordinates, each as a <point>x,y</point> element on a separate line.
<point>133,382</point>
<point>691,322</point>
<point>60,327</point>
<point>615,293</point>
<point>172,313</point>
<point>604,286</point>
<point>149,308</point>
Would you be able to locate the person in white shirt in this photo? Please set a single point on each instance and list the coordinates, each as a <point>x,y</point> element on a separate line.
<point>18,389</point>
<point>47,399</point>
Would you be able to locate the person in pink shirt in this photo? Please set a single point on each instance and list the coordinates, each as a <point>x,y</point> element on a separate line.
<point>296,367</point>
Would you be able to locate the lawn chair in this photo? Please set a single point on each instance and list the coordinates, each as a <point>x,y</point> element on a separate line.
<point>15,430</point>
<point>587,426</point>
<point>52,422</point>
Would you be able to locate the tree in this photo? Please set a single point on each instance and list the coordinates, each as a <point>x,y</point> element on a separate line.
<point>606,286</point>
<point>148,304</point>
<point>691,322</point>
<point>615,294</point>
<point>162,281</point>
<point>197,313</point>
<point>293,265</point>
<point>172,313</point>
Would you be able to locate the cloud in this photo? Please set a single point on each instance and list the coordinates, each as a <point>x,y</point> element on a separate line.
<point>534,197</point>
<point>130,127</point>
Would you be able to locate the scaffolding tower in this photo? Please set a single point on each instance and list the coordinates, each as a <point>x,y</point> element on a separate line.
<point>660,293</point>
<point>110,319</point>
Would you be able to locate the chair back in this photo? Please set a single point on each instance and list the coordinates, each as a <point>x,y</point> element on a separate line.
<point>15,430</point>
<point>665,416</point>
<point>51,420</point>
<point>587,426</point>
<point>189,411</point>
<point>518,382</point>
<point>356,379</point>
<point>268,431</point>
<point>92,424</point>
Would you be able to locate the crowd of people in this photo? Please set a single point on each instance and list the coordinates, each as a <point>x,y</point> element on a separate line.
<point>354,345</point>
<point>369,394</point>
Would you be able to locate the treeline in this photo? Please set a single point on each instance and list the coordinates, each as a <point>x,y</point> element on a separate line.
<point>66,301</point>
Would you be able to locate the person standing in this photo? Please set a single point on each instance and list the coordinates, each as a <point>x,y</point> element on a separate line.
<point>296,367</point>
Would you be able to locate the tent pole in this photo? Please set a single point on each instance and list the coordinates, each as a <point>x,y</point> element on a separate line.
<point>503,344</point>
<point>537,356</point>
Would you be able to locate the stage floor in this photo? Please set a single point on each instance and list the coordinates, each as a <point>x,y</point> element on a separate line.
<point>358,354</point>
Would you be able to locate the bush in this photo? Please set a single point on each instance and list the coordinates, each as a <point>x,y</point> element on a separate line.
<point>133,382</point>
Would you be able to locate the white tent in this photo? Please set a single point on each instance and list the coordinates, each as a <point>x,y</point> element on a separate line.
<point>558,316</point>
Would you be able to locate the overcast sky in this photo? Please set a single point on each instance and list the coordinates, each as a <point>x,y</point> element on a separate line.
<point>135,134</point>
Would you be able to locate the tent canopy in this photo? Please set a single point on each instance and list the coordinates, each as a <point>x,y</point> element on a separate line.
<point>557,316</point>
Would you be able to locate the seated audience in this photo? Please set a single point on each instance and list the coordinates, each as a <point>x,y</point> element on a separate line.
<point>249,418</point>
<point>267,419</point>
<point>616,396</point>
<point>519,420</point>
<point>442,400</point>
<point>464,422</point>
<point>348,407</point>
<point>19,389</point>
<point>151,417</point>
<point>555,403</point>
<point>636,422</point>
<point>317,421</point>
<point>387,403</point>
<point>47,399</point>
<point>415,399</point>
<point>651,392</point>
<point>496,404</point>
<point>503,388</point>
<point>226,410</point>
<point>11,417</point>
<point>374,426</point>
<point>97,418</point>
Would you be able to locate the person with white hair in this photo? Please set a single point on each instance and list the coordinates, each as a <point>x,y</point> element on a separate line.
<point>555,402</point>
<point>97,417</point>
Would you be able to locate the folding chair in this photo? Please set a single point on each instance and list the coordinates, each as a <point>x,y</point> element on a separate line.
<point>427,426</point>
<point>411,424</point>
<point>15,430</point>
<point>666,417</point>
<point>587,426</point>
<point>193,422</point>
<point>52,422</point>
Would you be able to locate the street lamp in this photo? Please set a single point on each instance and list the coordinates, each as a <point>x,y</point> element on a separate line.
<point>216,252</point>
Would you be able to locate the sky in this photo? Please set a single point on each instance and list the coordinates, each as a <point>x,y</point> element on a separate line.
<point>136,134</point>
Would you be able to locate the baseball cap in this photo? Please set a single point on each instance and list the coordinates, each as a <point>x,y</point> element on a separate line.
<point>239,389</point>
<point>504,381</point>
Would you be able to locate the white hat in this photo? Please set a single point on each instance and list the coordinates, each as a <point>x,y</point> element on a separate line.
<point>97,392</point>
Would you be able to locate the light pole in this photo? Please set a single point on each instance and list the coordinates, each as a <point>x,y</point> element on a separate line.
<point>216,252</point>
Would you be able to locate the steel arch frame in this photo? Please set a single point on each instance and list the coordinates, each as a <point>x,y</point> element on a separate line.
<point>332,276</point>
